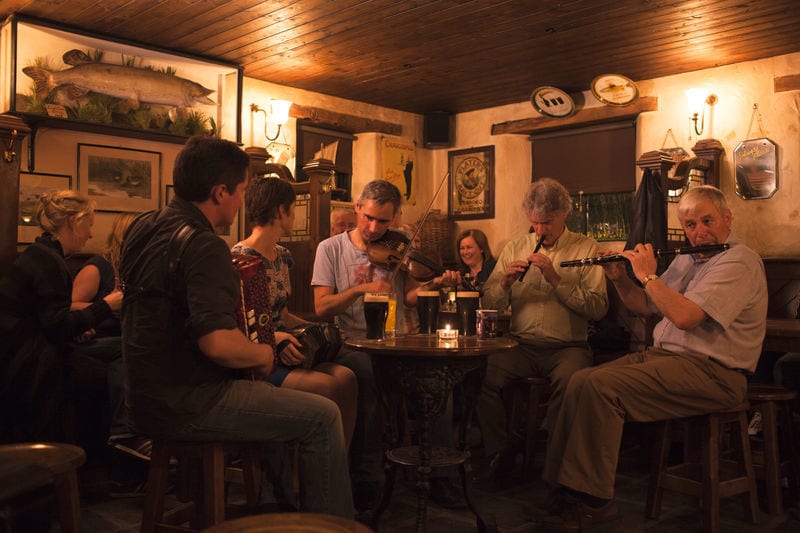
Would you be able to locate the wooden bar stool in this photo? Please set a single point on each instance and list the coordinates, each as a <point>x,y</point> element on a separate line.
<point>710,478</point>
<point>205,507</point>
<point>528,400</point>
<point>774,404</point>
<point>62,461</point>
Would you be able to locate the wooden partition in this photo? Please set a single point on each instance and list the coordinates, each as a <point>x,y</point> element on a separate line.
<point>12,134</point>
<point>312,221</point>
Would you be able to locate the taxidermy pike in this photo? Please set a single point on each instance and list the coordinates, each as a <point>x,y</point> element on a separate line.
<point>131,84</point>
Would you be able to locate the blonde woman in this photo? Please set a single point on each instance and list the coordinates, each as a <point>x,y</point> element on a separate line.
<point>37,324</point>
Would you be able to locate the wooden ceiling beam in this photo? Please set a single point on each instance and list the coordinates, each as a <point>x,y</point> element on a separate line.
<point>348,123</point>
<point>584,117</point>
<point>787,83</point>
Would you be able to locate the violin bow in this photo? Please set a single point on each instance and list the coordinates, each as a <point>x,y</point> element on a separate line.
<point>419,227</point>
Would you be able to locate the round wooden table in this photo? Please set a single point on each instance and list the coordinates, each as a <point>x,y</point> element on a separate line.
<point>424,370</point>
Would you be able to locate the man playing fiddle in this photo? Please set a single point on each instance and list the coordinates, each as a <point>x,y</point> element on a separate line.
<point>550,311</point>
<point>709,337</point>
<point>342,276</point>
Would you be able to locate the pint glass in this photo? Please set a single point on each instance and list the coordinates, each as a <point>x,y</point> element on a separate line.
<point>466,304</point>
<point>376,308</point>
<point>428,311</point>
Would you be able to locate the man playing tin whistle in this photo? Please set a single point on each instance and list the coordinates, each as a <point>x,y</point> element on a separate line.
<point>713,311</point>
<point>550,312</point>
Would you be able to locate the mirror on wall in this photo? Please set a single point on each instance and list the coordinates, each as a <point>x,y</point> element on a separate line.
<point>755,161</point>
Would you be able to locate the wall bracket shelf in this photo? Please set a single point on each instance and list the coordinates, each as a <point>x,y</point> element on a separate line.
<point>584,117</point>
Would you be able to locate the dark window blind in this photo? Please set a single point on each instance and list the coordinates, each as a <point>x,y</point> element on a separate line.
<point>593,159</point>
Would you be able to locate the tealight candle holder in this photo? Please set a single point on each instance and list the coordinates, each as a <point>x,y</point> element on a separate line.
<point>447,334</point>
<point>447,344</point>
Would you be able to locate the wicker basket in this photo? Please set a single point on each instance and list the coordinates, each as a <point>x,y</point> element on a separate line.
<point>437,236</point>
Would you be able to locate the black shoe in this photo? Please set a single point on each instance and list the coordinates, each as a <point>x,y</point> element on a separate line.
<point>501,465</point>
<point>445,494</point>
<point>139,447</point>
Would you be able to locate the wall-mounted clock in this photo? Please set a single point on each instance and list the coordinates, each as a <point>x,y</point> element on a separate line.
<point>552,102</point>
<point>614,89</point>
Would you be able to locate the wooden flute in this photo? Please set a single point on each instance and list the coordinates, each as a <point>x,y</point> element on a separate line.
<point>706,248</point>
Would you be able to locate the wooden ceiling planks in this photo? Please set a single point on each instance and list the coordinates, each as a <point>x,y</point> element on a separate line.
<point>455,55</point>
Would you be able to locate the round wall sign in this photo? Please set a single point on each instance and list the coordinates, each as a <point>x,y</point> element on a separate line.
<point>614,89</point>
<point>552,102</point>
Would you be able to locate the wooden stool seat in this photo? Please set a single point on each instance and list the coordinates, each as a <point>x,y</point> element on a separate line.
<point>528,400</point>
<point>62,461</point>
<point>206,503</point>
<point>294,522</point>
<point>773,402</point>
<point>709,478</point>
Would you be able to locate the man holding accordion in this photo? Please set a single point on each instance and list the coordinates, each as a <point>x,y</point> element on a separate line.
<point>183,351</point>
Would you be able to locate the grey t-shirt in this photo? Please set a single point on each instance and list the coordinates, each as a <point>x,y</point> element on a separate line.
<point>339,264</point>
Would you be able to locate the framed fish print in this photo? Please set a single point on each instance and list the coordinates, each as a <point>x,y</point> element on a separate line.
<point>119,179</point>
<point>471,183</point>
<point>65,78</point>
<point>31,187</point>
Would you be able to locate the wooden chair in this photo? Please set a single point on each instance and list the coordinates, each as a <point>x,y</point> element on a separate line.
<point>527,398</point>
<point>708,477</point>
<point>774,404</point>
<point>62,461</point>
<point>205,505</point>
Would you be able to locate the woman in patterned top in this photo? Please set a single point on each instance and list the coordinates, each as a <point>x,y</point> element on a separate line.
<point>270,204</point>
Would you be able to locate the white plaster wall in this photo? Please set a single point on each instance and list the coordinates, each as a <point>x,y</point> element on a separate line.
<point>771,227</point>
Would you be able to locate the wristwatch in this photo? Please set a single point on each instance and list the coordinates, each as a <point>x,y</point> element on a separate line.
<point>648,278</point>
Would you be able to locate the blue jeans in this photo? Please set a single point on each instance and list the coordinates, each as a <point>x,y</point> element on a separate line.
<point>259,411</point>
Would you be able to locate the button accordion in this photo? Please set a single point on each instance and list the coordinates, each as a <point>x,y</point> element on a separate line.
<point>253,313</point>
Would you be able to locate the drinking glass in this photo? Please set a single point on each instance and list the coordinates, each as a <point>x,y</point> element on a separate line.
<point>428,311</point>
<point>376,310</point>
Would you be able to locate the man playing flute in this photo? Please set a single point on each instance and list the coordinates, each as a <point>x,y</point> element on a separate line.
<point>713,309</point>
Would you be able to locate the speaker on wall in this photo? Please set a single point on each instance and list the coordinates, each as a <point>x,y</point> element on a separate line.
<point>438,129</point>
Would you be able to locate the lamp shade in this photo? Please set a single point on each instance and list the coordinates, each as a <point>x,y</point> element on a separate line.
<point>280,111</point>
<point>696,98</point>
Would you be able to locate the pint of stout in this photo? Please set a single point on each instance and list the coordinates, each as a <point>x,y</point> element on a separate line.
<point>428,311</point>
<point>376,308</point>
<point>467,303</point>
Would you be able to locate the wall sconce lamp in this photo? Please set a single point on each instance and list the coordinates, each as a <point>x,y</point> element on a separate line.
<point>698,100</point>
<point>279,110</point>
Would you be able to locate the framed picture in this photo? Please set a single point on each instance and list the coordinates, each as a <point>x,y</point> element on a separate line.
<point>124,89</point>
<point>471,183</point>
<point>119,179</point>
<point>397,165</point>
<point>31,187</point>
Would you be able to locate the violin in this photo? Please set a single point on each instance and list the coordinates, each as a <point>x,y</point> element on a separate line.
<point>391,250</point>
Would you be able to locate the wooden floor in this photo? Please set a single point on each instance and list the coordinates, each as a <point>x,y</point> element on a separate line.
<point>513,504</point>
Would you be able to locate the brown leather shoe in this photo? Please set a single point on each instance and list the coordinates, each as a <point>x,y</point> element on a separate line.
<point>577,516</point>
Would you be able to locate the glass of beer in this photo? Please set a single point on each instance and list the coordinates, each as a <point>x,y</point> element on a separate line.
<point>376,309</point>
<point>467,302</point>
<point>391,316</point>
<point>428,311</point>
